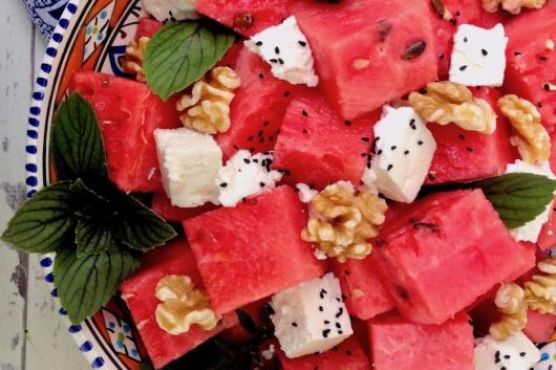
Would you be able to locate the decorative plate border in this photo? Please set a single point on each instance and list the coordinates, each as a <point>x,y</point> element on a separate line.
<point>94,351</point>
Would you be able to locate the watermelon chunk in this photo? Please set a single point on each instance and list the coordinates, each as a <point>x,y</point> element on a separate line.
<point>348,355</point>
<point>162,206</point>
<point>532,62</point>
<point>397,344</point>
<point>258,107</point>
<point>540,328</point>
<point>128,113</point>
<point>253,250</point>
<point>445,251</point>
<point>246,17</point>
<point>463,155</point>
<point>305,151</point>
<point>138,292</point>
<point>147,27</point>
<point>365,59</point>
<point>547,237</point>
<point>366,295</point>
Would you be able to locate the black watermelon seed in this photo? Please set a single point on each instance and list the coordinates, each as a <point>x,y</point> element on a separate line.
<point>461,137</point>
<point>517,53</point>
<point>305,131</point>
<point>261,76</point>
<point>286,94</point>
<point>303,112</point>
<point>469,149</point>
<point>365,139</point>
<point>266,123</point>
<point>546,87</point>
<point>507,357</point>
<point>271,138</point>
<point>347,123</point>
<point>384,28</point>
<point>413,49</point>
<point>250,138</point>
<point>260,133</point>
<point>543,58</point>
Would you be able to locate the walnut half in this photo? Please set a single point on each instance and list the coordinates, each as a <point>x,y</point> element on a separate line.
<point>343,221</point>
<point>182,306</point>
<point>541,289</point>
<point>512,6</point>
<point>134,56</point>
<point>510,301</point>
<point>207,108</point>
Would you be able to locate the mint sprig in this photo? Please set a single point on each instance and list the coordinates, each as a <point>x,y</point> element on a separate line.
<point>97,231</point>
<point>181,53</point>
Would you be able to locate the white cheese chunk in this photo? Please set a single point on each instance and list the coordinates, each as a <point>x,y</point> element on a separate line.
<point>311,317</point>
<point>404,148</point>
<point>306,193</point>
<point>515,353</point>
<point>245,175</point>
<point>368,180</point>
<point>548,357</point>
<point>171,10</point>
<point>479,56</point>
<point>531,230</point>
<point>189,162</point>
<point>287,51</point>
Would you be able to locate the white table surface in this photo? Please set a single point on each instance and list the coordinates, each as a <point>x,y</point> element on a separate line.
<point>32,334</point>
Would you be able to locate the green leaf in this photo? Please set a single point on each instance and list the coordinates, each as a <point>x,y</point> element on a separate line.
<point>76,142</point>
<point>85,284</point>
<point>518,197</point>
<point>93,236</point>
<point>181,53</point>
<point>45,222</point>
<point>140,228</point>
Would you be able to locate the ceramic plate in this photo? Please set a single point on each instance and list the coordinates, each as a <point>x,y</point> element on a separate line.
<point>91,35</point>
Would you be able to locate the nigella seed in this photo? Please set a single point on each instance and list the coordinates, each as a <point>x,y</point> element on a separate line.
<point>522,354</point>
<point>413,49</point>
<point>365,139</point>
<point>338,325</point>
<point>379,152</point>
<point>322,293</point>
<point>304,112</point>
<point>281,61</point>
<point>484,52</point>
<point>262,184</point>
<point>302,43</point>
<point>326,322</point>
<point>507,357</point>
<point>406,152</point>
<point>325,333</point>
<point>465,39</point>
<point>256,160</point>
<point>340,312</point>
<point>273,60</point>
<point>277,50</point>
<point>420,142</point>
<point>294,324</point>
<point>340,332</point>
<point>246,160</point>
<point>463,68</point>
<point>377,139</point>
<point>321,309</point>
<point>259,43</point>
<point>223,184</point>
<point>393,147</point>
<point>390,166</point>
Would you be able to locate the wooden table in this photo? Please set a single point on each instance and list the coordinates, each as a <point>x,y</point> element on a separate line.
<point>32,334</point>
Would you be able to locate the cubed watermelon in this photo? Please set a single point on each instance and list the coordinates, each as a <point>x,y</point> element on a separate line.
<point>253,250</point>
<point>456,12</point>
<point>139,294</point>
<point>373,50</point>
<point>365,294</point>
<point>128,113</point>
<point>246,17</point>
<point>348,355</point>
<point>147,27</point>
<point>162,206</point>
<point>307,154</point>
<point>531,69</point>
<point>463,155</point>
<point>540,328</point>
<point>397,344</point>
<point>547,237</point>
<point>445,251</point>
<point>258,107</point>
<point>257,311</point>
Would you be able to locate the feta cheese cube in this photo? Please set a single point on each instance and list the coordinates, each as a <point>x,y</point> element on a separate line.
<point>404,148</point>
<point>531,230</point>
<point>287,51</point>
<point>515,353</point>
<point>548,357</point>
<point>171,10</point>
<point>479,56</point>
<point>311,317</point>
<point>245,175</point>
<point>189,162</point>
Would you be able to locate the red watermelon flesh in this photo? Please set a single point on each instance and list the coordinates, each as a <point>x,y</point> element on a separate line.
<point>138,292</point>
<point>147,27</point>
<point>363,58</point>
<point>348,355</point>
<point>444,252</point>
<point>162,206</point>
<point>462,12</point>
<point>258,107</point>
<point>128,113</point>
<point>246,17</point>
<point>547,237</point>
<point>256,312</point>
<point>315,146</point>
<point>463,155</point>
<point>366,295</point>
<point>540,328</point>
<point>253,250</point>
<point>397,344</point>
<point>531,64</point>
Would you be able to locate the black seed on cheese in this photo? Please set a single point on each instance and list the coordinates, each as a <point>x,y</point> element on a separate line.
<point>302,43</point>
<point>390,167</point>
<point>522,354</point>
<point>340,312</point>
<point>273,60</point>
<point>406,152</point>
<point>463,68</point>
<point>321,309</point>
<point>484,52</point>
<point>340,332</point>
<point>326,322</point>
<point>338,325</point>
<point>262,184</point>
<point>393,147</point>
<point>223,184</point>
<point>379,152</point>
<point>246,160</point>
<point>259,43</point>
<point>507,357</point>
<point>277,50</point>
<point>325,333</point>
<point>281,61</point>
<point>465,39</point>
<point>294,324</point>
<point>322,293</point>
<point>412,124</point>
<point>420,142</point>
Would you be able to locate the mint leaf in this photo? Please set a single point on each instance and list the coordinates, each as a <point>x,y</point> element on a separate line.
<point>76,142</point>
<point>93,236</point>
<point>45,222</point>
<point>518,197</point>
<point>181,53</point>
<point>140,228</point>
<point>85,284</point>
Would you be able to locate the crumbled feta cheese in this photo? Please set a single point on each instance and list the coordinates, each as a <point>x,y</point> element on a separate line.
<point>404,148</point>
<point>311,317</point>
<point>189,162</point>
<point>515,353</point>
<point>287,51</point>
<point>268,354</point>
<point>306,193</point>
<point>548,357</point>
<point>479,56</point>
<point>171,10</point>
<point>531,230</point>
<point>245,175</point>
<point>368,180</point>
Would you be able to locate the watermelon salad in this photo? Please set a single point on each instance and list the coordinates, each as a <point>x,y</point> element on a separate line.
<point>315,185</point>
